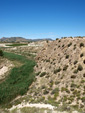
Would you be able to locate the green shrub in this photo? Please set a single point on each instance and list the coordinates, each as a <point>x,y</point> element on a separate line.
<point>64,89</point>
<point>75,62</point>
<point>63,45</point>
<point>43,87</point>
<point>81,45</point>
<point>45,92</point>
<point>42,74</point>
<point>69,44</point>
<point>67,56</point>
<point>59,41</point>
<point>73,85</point>
<point>65,67</point>
<point>47,41</point>
<point>80,68</point>
<point>81,55</point>
<point>84,75</point>
<point>83,99</point>
<point>75,71</point>
<point>57,38</point>
<point>84,61</point>
<point>1,53</point>
<point>73,76</point>
<point>48,60</point>
<point>55,91</point>
<point>57,82</point>
<point>38,73</point>
<point>57,70</point>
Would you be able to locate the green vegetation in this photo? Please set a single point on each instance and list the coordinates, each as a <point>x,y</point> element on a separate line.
<point>42,74</point>
<point>80,68</point>
<point>57,70</point>
<point>1,53</point>
<point>67,56</point>
<point>45,92</point>
<point>75,62</point>
<point>19,79</point>
<point>83,99</point>
<point>84,61</point>
<point>74,46</point>
<point>65,67</point>
<point>56,90</point>
<point>81,55</point>
<point>16,44</point>
<point>32,110</point>
<point>75,71</point>
<point>69,44</point>
<point>73,76</point>
<point>81,45</point>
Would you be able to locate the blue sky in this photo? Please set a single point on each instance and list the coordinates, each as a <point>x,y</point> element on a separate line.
<point>42,18</point>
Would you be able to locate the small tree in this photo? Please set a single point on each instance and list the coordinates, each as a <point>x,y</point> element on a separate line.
<point>1,53</point>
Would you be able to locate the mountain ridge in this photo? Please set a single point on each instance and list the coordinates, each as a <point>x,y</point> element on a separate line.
<point>20,39</point>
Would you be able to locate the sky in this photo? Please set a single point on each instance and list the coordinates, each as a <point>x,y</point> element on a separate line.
<point>33,19</point>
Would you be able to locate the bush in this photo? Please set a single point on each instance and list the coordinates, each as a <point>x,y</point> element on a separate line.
<point>57,70</point>
<point>69,44</point>
<point>63,45</point>
<point>80,68</point>
<point>81,45</point>
<point>75,71</point>
<point>67,56</point>
<point>47,60</point>
<point>73,76</point>
<point>37,73</point>
<point>75,62</point>
<point>57,38</point>
<point>84,75</point>
<point>55,90</point>
<point>45,92</point>
<point>81,55</point>
<point>83,99</point>
<point>1,53</point>
<point>42,74</point>
<point>84,61</point>
<point>65,67</point>
<point>73,85</point>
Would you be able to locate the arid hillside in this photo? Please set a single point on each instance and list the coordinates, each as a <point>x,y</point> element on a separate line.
<point>60,74</point>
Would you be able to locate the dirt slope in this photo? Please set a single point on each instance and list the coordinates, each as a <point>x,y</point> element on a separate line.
<point>61,73</point>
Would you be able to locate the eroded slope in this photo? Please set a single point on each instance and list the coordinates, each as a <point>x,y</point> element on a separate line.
<point>61,73</point>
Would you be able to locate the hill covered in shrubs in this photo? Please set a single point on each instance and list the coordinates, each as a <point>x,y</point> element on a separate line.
<point>60,74</point>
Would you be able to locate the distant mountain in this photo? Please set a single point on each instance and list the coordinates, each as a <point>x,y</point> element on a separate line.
<point>20,39</point>
<point>33,40</point>
<point>13,39</point>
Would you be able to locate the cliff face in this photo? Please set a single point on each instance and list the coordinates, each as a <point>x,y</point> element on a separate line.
<point>60,73</point>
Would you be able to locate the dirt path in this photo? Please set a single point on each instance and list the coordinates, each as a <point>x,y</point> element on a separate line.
<point>38,105</point>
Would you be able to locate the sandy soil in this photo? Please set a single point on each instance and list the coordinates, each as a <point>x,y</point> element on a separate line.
<point>3,70</point>
<point>38,105</point>
<point>5,66</point>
